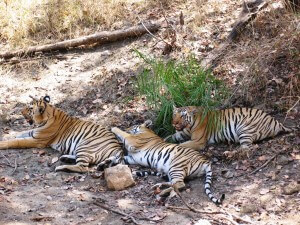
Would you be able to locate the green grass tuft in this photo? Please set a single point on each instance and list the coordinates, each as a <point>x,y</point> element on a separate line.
<point>183,83</point>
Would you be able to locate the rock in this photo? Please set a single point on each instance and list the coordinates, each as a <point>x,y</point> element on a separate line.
<point>118,177</point>
<point>265,199</point>
<point>125,203</point>
<point>249,208</point>
<point>291,188</point>
<point>283,160</point>
<point>264,191</point>
<point>202,222</point>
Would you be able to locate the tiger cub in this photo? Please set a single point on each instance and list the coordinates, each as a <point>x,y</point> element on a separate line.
<point>79,141</point>
<point>243,125</point>
<point>147,149</point>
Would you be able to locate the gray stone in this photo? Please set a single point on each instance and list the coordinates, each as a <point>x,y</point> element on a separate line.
<point>291,188</point>
<point>118,177</point>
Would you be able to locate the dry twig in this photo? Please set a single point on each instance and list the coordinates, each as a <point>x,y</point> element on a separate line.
<point>116,211</point>
<point>133,219</point>
<point>9,163</point>
<point>291,108</point>
<point>231,219</point>
<point>16,165</point>
<point>266,163</point>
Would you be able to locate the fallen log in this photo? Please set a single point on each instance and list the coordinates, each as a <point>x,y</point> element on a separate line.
<point>97,38</point>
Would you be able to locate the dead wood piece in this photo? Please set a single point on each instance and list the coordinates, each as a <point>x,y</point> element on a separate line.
<point>99,38</point>
<point>247,15</point>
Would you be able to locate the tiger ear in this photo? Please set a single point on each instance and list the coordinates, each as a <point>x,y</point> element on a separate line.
<point>132,149</point>
<point>148,123</point>
<point>195,110</point>
<point>174,109</point>
<point>47,98</point>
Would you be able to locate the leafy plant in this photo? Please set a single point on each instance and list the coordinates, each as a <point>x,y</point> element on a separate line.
<point>184,83</point>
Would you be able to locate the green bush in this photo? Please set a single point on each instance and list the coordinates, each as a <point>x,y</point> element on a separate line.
<point>184,83</point>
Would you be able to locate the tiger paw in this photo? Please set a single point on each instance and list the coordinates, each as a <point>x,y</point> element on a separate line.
<point>68,158</point>
<point>71,168</point>
<point>230,154</point>
<point>167,192</point>
<point>159,185</point>
<point>105,164</point>
<point>238,154</point>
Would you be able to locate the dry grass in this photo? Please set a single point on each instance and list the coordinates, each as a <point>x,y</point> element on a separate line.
<point>205,11</point>
<point>269,49</point>
<point>28,22</point>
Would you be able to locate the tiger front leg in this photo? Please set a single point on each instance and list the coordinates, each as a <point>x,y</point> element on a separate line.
<point>121,135</point>
<point>180,137</point>
<point>15,134</point>
<point>22,143</point>
<point>193,144</point>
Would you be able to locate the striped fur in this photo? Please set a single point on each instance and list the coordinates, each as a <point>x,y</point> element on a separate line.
<point>147,149</point>
<point>79,141</point>
<point>240,125</point>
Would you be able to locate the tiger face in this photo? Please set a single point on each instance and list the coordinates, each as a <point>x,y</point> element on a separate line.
<point>138,129</point>
<point>137,136</point>
<point>183,117</point>
<point>35,112</point>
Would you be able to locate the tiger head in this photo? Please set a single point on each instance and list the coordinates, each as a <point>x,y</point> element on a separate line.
<point>36,111</point>
<point>140,129</point>
<point>184,117</point>
<point>136,136</point>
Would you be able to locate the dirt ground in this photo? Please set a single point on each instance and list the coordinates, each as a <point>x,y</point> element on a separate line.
<point>98,84</point>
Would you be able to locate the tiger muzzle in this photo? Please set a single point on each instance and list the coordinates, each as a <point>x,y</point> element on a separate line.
<point>178,127</point>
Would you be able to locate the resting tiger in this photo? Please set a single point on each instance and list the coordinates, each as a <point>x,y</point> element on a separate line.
<point>79,141</point>
<point>243,125</point>
<point>147,149</point>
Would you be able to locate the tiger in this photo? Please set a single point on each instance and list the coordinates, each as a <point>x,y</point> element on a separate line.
<point>80,142</point>
<point>143,147</point>
<point>238,125</point>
